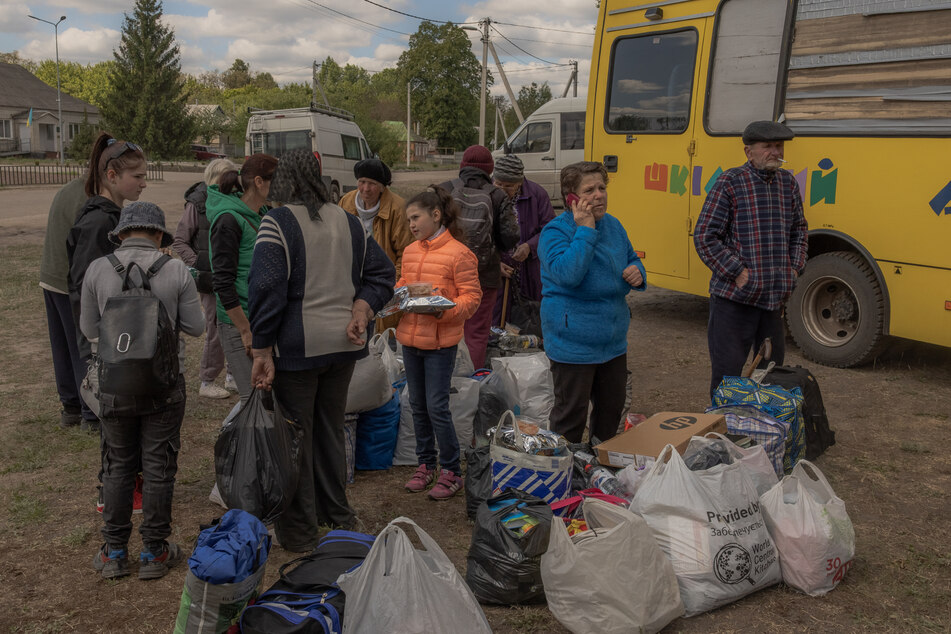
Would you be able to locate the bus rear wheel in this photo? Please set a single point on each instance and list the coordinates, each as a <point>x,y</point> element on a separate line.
<point>837,311</point>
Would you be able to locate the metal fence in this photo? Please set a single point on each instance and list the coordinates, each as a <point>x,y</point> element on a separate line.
<point>48,174</point>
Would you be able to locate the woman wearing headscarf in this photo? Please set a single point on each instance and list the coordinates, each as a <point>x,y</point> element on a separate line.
<point>316,281</point>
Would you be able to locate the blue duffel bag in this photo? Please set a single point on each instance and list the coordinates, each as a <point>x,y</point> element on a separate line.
<point>377,431</point>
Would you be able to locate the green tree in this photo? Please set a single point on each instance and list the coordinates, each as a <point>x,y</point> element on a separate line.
<point>237,76</point>
<point>81,145</point>
<point>14,58</point>
<point>530,98</point>
<point>146,100</point>
<point>209,123</point>
<point>446,78</point>
<point>89,83</point>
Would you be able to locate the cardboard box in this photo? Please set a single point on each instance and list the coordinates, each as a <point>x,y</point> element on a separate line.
<point>650,437</point>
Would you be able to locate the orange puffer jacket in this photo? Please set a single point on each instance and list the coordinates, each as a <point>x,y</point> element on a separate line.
<point>452,269</point>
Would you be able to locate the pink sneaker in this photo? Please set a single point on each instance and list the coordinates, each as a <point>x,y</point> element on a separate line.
<point>446,486</point>
<point>423,477</point>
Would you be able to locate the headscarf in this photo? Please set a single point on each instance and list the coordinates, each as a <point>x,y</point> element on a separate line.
<point>297,182</point>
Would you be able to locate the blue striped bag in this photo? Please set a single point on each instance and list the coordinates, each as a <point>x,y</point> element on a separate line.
<point>780,403</point>
<point>769,432</point>
<point>545,477</point>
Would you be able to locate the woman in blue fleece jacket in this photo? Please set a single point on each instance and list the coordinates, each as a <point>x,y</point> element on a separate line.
<point>588,267</point>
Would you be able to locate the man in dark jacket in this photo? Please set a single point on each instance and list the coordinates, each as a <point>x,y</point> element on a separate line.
<point>491,228</point>
<point>752,234</point>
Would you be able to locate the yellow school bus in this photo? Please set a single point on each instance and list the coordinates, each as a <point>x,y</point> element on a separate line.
<point>867,90</point>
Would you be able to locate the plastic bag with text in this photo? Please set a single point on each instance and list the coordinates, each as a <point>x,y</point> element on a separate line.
<point>403,589</point>
<point>626,584</point>
<point>813,533</point>
<point>710,526</point>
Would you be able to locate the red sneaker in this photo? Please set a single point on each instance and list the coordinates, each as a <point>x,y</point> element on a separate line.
<point>446,486</point>
<point>137,495</point>
<point>423,477</point>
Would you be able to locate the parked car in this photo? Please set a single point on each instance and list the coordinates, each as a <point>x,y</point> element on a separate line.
<point>205,153</point>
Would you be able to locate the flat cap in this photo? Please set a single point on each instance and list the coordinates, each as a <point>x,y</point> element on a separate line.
<point>766,131</point>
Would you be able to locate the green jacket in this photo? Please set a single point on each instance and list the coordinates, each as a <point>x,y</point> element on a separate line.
<point>54,267</point>
<point>235,274</point>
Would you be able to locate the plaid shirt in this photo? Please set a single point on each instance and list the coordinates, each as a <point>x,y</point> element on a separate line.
<point>753,219</point>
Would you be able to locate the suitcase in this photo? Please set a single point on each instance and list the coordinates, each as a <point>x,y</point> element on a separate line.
<point>819,436</point>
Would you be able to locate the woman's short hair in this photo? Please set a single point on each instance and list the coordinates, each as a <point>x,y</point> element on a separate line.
<point>572,175</point>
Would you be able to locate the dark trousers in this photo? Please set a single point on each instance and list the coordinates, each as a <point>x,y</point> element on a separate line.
<point>152,441</point>
<point>317,399</point>
<point>68,367</point>
<point>734,328</point>
<point>476,328</point>
<point>428,379</point>
<point>577,384</point>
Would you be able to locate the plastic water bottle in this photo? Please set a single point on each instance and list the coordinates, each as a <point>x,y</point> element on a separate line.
<point>603,479</point>
<point>509,341</point>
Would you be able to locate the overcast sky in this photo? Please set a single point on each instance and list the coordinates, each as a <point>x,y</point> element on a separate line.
<point>283,37</point>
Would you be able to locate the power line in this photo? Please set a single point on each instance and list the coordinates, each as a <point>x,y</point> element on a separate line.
<point>540,28</point>
<point>519,47</point>
<point>350,17</point>
<point>415,17</point>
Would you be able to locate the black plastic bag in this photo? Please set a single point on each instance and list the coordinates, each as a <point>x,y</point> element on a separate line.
<point>526,314</point>
<point>478,479</point>
<point>494,400</point>
<point>257,458</point>
<point>504,565</point>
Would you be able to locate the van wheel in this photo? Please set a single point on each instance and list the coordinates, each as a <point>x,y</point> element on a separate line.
<point>837,310</point>
<point>335,193</point>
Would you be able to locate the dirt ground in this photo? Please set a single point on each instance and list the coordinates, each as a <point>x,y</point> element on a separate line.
<point>890,465</point>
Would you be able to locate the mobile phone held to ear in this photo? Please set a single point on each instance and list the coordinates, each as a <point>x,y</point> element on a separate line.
<point>571,199</point>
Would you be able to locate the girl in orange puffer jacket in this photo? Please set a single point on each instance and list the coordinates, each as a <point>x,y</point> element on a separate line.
<point>440,258</point>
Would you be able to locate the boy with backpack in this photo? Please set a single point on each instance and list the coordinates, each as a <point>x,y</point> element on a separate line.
<point>135,302</point>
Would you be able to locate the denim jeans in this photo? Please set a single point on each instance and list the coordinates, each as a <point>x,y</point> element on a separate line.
<point>238,360</point>
<point>734,328</point>
<point>316,399</point>
<point>428,379</point>
<point>152,440</point>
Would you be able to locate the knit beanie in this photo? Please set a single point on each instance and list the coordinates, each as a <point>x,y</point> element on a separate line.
<point>478,156</point>
<point>509,169</point>
<point>374,169</point>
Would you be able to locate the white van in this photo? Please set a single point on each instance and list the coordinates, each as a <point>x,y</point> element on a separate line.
<point>330,133</point>
<point>549,139</point>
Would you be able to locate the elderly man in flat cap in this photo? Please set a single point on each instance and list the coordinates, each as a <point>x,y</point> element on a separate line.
<point>752,234</point>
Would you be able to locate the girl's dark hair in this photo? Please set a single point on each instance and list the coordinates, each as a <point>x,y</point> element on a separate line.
<point>435,197</point>
<point>572,175</point>
<point>262,165</point>
<point>108,153</point>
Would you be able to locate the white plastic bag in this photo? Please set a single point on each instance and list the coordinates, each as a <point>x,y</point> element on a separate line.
<point>370,385</point>
<point>528,377</point>
<point>401,589</point>
<point>753,459</point>
<point>632,476</point>
<point>709,524</point>
<point>463,366</point>
<point>611,578</point>
<point>380,344</point>
<point>463,403</point>
<point>812,531</point>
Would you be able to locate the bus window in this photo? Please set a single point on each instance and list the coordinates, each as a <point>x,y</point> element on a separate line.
<point>572,130</point>
<point>651,80</point>
<point>535,137</point>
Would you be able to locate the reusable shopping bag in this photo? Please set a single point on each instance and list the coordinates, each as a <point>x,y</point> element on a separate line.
<point>413,591</point>
<point>546,477</point>
<point>370,385</point>
<point>257,458</point>
<point>376,435</point>
<point>463,402</point>
<point>754,459</point>
<point>612,578</point>
<point>812,531</point>
<point>710,526</point>
<point>768,432</point>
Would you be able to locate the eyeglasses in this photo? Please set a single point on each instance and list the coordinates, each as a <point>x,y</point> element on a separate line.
<point>120,149</point>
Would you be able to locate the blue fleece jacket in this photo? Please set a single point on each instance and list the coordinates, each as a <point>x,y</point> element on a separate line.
<point>584,311</point>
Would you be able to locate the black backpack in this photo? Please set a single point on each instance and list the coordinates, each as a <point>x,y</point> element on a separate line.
<point>819,436</point>
<point>476,217</point>
<point>138,342</point>
<point>306,599</point>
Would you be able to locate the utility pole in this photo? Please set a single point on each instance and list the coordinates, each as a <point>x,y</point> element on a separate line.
<point>573,79</point>
<point>485,61</point>
<point>407,123</point>
<point>505,82</point>
<point>317,85</point>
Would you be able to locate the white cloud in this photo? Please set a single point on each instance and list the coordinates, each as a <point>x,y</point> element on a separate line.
<point>75,45</point>
<point>13,19</point>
